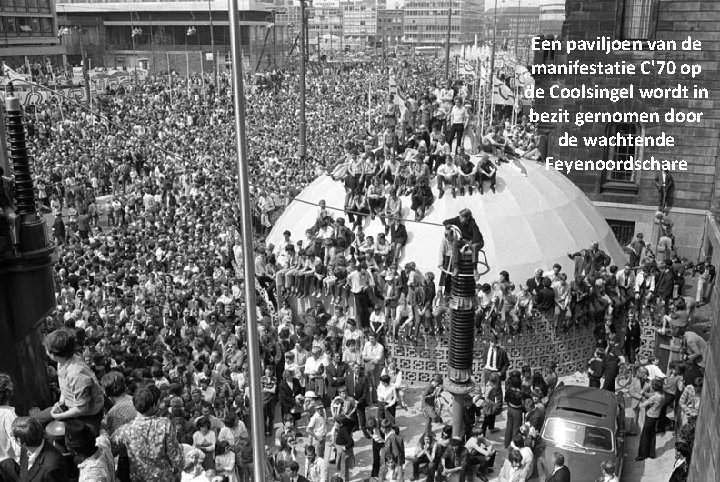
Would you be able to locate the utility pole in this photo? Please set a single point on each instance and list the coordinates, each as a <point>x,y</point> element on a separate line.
<point>212,45</point>
<point>491,74</point>
<point>449,34</point>
<point>274,27</point>
<point>517,30</point>
<point>85,73</point>
<point>253,342</point>
<point>133,32</point>
<point>302,148</point>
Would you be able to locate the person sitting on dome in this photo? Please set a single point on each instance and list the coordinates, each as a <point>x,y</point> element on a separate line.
<point>447,173</point>
<point>422,198</point>
<point>466,172</point>
<point>469,237</point>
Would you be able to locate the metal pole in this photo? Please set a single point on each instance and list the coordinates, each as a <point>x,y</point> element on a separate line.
<point>86,75</point>
<point>132,36</point>
<point>187,65</point>
<point>274,27</point>
<point>369,107</point>
<point>253,343</point>
<point>302,150</point>
<point>152,48</point>
<point>202,68</point>
<point>212,43</point>
<point>517,30</point>
<point>491,74</point>
<point>447,47</point>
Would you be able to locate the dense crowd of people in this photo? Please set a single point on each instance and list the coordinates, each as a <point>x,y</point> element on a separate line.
<point>147,344</point>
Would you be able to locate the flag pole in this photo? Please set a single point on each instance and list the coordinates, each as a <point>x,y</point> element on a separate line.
<point>253,342</point>
<point>369,107</point>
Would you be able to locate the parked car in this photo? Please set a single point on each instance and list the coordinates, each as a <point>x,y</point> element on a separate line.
<point>587,425</point>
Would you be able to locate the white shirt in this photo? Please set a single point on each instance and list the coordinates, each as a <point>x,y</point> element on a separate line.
<point>458,115</point>
<point>312,366</point>
<point>386,394</point>
<point>375,353</point>
<point>34,455</point>
<point>654,371</point>
<point>447,170</point>
<point>376,317</point>
<point>317,470</point>
<point>9,449</point>
<point>316,426</point>
<point>491,361</point>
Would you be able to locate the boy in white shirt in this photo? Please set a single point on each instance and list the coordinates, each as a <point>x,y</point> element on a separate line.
<point>317,429</point>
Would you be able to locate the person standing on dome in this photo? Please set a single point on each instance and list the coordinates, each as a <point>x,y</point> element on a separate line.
<point>469,237</point>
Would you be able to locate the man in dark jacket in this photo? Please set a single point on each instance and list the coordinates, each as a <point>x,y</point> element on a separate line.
<point>559,472</point>
<point>335,372</point>
<point>48,464</point>
<point>535,284</point>
<point>468,237</point>
<point>359,389</point>
<point>632,337</point>
<point>288,389</point>
<point>665,284</point>
<point>59,230</point>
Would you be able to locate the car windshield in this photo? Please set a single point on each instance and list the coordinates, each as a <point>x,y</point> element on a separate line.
<point>577,435</point>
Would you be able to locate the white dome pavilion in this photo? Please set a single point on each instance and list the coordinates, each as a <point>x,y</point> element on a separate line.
<point>536,217</point>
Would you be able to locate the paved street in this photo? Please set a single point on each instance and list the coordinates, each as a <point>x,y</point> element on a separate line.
<point>412,425</point>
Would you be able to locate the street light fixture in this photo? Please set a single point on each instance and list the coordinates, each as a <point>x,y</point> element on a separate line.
<point>86,76</point>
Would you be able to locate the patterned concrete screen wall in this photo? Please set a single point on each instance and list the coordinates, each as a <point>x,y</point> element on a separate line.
<point>570,350</point>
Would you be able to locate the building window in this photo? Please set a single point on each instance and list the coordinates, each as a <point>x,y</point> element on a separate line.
<point>11,25</point>
<point>46,26</point>
<point>35,26</point>
<point>621,153</point>
<point>623,230</point>
<point>639,18</point>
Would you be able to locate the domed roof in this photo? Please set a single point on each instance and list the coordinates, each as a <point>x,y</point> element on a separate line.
<point>533,220</point>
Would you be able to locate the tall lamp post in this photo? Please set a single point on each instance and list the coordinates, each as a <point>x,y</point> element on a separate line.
<point>212,45</point>
<point>136,32</point>
<point>517,30</point>
<point>190,31</point>
<point>449,34</point>
<point>253,342</point>
<point>86,75</point>
<point>302,148</point>
<point>491,74</point>
<point>274,27</point>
